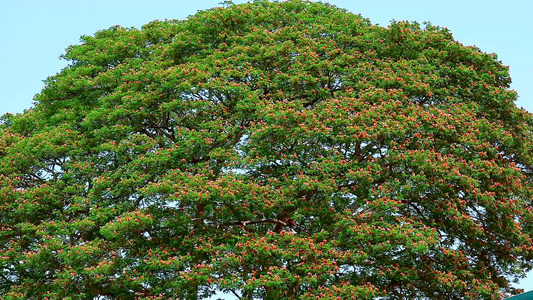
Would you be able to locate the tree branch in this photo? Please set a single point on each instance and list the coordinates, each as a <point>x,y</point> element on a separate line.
<point>245,223</point>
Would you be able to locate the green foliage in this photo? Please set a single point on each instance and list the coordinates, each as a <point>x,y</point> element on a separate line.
<point>271,150</point>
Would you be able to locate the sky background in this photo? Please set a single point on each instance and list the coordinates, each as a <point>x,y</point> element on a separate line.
<point>33,33</point>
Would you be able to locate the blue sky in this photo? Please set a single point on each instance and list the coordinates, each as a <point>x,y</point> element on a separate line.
<point>33,33</point>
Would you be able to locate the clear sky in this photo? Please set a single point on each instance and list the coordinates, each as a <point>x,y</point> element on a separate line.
<point>33,33</point>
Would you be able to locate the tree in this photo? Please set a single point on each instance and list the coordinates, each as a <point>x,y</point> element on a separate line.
<point>271,150</point>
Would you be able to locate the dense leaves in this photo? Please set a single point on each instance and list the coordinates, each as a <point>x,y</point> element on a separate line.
<point>268,150</point>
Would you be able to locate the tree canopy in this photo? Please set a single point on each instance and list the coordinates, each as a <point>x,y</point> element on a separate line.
<point>268,150</point>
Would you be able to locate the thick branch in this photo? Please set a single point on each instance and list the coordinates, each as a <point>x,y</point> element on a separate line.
<point>251,222</point>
